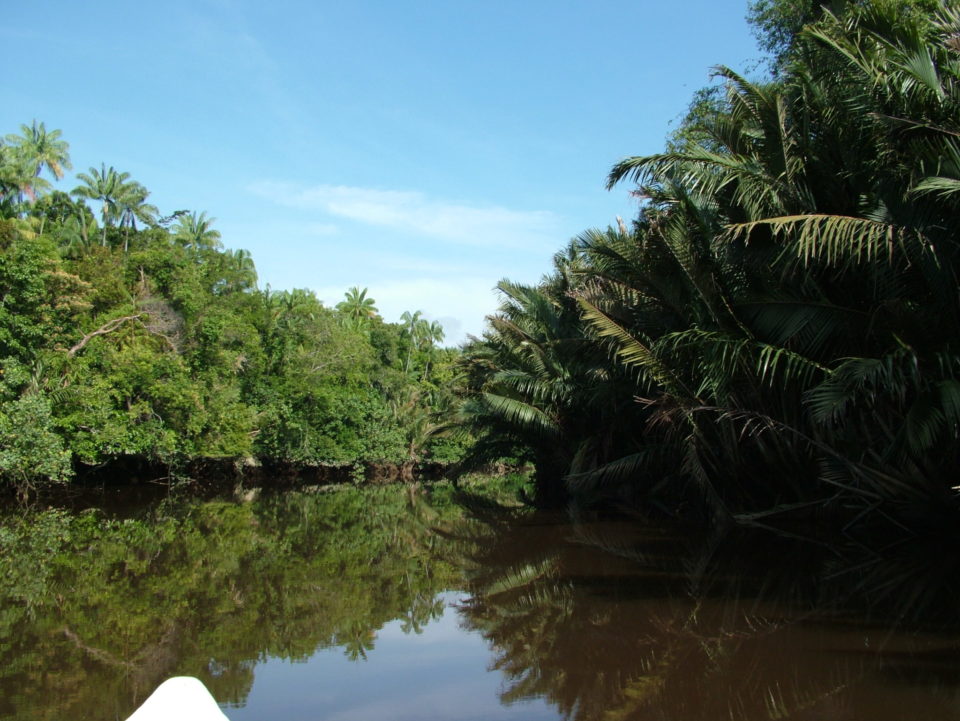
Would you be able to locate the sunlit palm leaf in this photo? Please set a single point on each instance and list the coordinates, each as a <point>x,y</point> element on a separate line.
<point>520,413</point>
<point>836,240</point>
<point>629,350</point>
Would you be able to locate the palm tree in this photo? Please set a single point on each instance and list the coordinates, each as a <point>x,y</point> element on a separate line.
<point>786,304</point>
<point>815,230</point>
<point>42,149</point>
<point>243,268</point>
<point>286,319</point>
<point>196,231</point>
<point>430,334</point>
<point>411,323</point>
<point>539,387</point>
<point>107,186</point>
<point>357,307</point>
<point>70,221</point>
<point>74,233</point>
<point>17,179</point>
<point>131,206</point>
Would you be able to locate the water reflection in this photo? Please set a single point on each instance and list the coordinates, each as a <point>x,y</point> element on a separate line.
<point>623,620</point>
<point>97,612</point>
<point>439,674</point>
<point>337,605</point>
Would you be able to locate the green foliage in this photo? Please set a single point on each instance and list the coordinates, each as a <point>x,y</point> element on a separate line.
<point>357,309</point>
<point>778,24</point>
<point>31,452</point>
<point>150,340</point>
<point>781,320</point>
<point>45,151</point>
<point>539,388</point>
<point>41,300</point>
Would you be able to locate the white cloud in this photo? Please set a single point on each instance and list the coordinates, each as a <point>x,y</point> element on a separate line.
<point>417,213</point>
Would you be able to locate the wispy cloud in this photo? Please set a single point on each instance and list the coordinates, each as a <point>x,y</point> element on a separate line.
<point>418,213</point>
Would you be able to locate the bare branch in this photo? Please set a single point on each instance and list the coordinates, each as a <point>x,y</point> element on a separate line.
<point>107,327</point>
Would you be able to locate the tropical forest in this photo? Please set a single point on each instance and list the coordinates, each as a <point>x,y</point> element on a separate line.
<point>706,467</point>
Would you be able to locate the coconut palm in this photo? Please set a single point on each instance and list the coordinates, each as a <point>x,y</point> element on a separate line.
<point>411,323</point>
<point>196,231</point>
<point>243,269</point>
<point>17,180</point>
<point>421,335</point>
<point>435,333</point>
<point>431,334</point>
<point>42,149</point>
<point>131,206</point>
<point>357,308</point>
<point>70,222</point>
<point>107,186</point>
<point>74,233</point>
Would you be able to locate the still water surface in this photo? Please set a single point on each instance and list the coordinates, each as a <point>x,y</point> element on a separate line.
<point>441,673</point>
<point>391,603</point>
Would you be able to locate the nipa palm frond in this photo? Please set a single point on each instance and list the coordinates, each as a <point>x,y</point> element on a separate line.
<point>629,350</point>
<point>833,239</point>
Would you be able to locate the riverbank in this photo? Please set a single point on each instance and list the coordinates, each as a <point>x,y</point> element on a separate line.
<point>137,476</point>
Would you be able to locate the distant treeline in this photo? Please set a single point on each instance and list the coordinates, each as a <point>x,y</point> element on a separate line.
<point>778,331</point>
<point>125,335</point>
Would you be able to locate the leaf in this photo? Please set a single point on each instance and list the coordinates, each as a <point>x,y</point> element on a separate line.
<point>834,239</point>
<point>520,413</point>
<point>631,351</point>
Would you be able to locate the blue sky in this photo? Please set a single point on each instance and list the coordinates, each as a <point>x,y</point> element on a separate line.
<point>422,149</point>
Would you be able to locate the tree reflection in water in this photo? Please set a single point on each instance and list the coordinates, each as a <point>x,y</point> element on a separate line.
<point>95,613</point>
<point>623,620</point>
<point>607,620</point>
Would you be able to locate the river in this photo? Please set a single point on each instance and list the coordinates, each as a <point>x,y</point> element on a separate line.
<point>396,602</point>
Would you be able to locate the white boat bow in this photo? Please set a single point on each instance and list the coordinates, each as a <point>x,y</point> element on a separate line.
<point>181,698</point>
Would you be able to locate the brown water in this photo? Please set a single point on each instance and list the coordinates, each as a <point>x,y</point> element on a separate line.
<point>383,604</point>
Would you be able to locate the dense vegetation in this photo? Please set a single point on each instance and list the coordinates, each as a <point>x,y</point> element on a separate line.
<point>130,337</point>
<point>779,329</point>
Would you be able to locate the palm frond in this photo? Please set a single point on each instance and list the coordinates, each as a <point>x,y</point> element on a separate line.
<point>519,413</point>
<point>833,239</point>
<point>939,186</point>
<point>631,351</point>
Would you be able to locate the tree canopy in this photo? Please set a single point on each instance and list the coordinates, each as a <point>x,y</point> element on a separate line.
<point>128,335</point>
